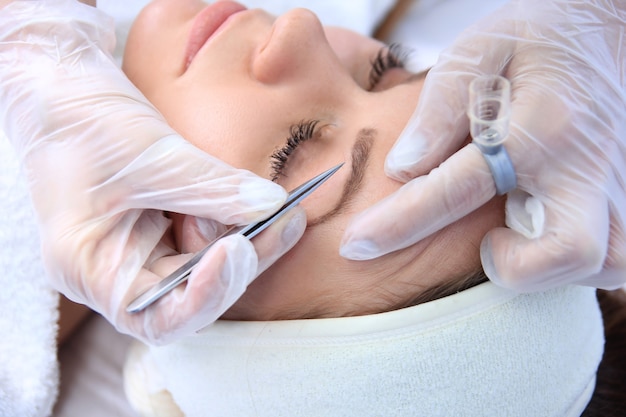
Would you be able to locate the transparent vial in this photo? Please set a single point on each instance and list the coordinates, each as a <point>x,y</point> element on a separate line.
<point>489,111</point>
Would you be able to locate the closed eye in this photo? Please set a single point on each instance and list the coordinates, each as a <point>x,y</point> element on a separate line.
<point>298,133</point>
<point>392,56</point>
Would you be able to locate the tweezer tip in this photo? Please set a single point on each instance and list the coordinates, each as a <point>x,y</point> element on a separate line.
<point>321,178</point>
<point>332,170</point>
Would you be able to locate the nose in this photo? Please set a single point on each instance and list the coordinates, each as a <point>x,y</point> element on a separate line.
<point>296,47</point>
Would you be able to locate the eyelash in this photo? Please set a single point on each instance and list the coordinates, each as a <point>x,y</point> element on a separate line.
<point>298,133</point>
<point>392,56</point>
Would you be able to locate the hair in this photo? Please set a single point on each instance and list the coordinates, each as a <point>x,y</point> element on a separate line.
<point>609,396</point>
<point>447,288</point>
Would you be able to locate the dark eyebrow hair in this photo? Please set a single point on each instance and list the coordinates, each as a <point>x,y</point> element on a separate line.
<point>360,158</point>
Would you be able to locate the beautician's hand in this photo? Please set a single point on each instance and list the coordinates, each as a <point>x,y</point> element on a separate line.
<point>567,219</point>
<point>103,166</point>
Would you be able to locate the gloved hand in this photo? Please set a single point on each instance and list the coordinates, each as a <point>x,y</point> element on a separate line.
<point>103,166</point>
<point>567,218</point>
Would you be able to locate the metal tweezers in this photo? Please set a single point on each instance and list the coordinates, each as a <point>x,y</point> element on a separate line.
<point>181,274</point>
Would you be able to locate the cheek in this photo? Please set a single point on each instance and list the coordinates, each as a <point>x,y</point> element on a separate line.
<point>154,50</point>
<point>306,277</point>
<point>460,241</point>
<point>220,124</point>
<point>302,264</point>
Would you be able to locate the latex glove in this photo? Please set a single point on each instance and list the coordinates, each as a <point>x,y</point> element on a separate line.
<point>103,165</point>
<point>566,63</point>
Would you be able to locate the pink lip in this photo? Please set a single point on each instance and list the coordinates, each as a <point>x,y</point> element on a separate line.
<point>206,23</point>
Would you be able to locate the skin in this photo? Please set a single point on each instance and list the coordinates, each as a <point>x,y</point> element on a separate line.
<point>237,99</point>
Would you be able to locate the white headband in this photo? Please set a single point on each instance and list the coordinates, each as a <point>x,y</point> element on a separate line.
<point>482,352</point>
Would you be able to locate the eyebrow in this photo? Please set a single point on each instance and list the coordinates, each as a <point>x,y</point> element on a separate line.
<point>360,158</point>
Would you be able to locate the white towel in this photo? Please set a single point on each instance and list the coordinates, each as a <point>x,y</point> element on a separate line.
<point>28,305</point>
<point>484,352</point>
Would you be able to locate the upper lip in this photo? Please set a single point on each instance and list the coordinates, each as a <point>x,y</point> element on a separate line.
<point>206,23</point>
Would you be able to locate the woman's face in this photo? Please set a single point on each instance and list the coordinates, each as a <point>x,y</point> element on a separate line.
<point>241,91</point>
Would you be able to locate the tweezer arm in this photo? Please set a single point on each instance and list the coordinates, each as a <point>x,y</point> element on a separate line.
<point>182,274</point>
<point>177,277</point>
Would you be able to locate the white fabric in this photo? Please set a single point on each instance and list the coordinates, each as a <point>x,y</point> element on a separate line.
<point>28,305</point>
<point>482,352</point>
<point>91,372</point>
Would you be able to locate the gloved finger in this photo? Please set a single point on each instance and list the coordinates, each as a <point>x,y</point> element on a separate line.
<point>194,183</point>
<point>218,280</point>
<point>421,207</point>
<point>281,237</point>
<point>614,268</point>
<point>560,254</point>
<point>174,175</point>
<point>199,232</point>
<point>194,233</point>
<point>440,125</point>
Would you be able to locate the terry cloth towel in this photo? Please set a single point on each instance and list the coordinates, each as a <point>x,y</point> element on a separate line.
<point>479,353</point>
<point>28,305</point>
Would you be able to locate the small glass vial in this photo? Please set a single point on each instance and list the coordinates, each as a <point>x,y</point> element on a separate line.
<point>489,111</point>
